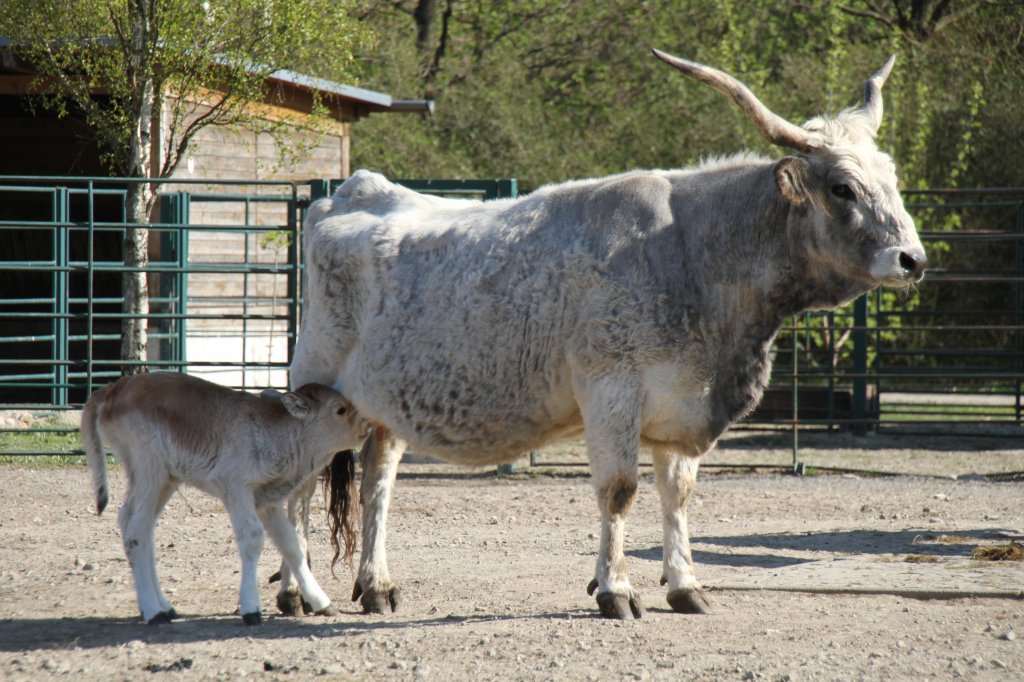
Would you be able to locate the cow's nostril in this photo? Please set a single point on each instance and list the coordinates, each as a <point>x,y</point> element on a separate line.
<point>913,265</point>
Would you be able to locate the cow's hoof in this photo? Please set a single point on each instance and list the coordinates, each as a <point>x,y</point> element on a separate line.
<point>162,618</point>
<point>689,601</point>
<point>614,606</point>
<point>620,606</point>
<point>376,601</point>
<point>290,603</point>
<point>255,618</point>
<point>330,610</point>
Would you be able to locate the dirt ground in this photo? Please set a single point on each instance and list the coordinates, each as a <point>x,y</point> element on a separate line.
<point>838,576</point>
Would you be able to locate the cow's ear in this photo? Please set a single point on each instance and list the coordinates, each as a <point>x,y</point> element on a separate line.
<point>791,174</point>
<point>298,405</point>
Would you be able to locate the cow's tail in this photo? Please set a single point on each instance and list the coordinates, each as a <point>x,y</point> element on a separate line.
<point>94,454</point>
<point>339,480</point>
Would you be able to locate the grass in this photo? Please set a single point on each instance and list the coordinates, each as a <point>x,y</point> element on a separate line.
<point>47,443</point>
<point>1011,552</point>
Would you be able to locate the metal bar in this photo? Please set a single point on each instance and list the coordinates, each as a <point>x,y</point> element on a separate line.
<point>293,277</point>
<point>89,294</point>
<point>60,212</point>
<point>1019,307</point>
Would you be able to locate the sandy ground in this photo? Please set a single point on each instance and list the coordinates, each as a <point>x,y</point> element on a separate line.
<point>809,578</point>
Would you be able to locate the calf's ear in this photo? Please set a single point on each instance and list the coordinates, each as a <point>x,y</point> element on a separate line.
<point>297,405</point>
<point>791,175</point>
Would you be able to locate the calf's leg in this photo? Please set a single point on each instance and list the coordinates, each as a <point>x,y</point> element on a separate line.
<point>282,534</point>
<point>676,477</point>
<point>289,598</point>
<point>610,415</point>
<point>145,499</point>
<point>379,457</point>
<point>245,522</point>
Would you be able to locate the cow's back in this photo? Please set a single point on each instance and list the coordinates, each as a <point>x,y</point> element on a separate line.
<point>459,324</point>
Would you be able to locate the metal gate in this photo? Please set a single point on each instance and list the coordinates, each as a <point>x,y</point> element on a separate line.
<point>225,286</point>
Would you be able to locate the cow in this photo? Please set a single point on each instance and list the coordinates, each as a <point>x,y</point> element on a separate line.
<point>637,310</point>
<point>251,452</point>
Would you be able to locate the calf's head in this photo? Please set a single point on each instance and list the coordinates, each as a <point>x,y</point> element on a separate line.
<point>843,187</point>
<point>329,419</point>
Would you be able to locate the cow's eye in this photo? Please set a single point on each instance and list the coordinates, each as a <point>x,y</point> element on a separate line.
<point>843,192</point>
<point>341,411</point>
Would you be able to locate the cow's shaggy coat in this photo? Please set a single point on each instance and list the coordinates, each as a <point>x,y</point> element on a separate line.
<point>637,309</point>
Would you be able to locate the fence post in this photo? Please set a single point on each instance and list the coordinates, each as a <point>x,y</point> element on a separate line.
<point>175,209</point>
<point>294,277</point>
<point>61,232</point>
<point>860,366</point>
<point>319,189</point>
<point>1019,310</point>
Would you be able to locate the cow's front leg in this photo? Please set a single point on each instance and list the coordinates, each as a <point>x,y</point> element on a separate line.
<point>379,458</point>
<point>676,477</point>
<point>611,427</point>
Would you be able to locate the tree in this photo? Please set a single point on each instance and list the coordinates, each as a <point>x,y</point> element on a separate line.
<point>127,65</point>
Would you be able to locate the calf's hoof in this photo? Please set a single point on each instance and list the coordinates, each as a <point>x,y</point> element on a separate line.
<point>377,601</point>
<point>689,601</point>
<point>162,618</point>
<point>330,610</point>
<point>254,618</point>
<point>617,606</point>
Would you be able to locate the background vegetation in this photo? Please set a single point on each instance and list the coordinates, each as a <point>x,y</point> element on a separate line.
<point>549,90</point>
<point>546,90</point>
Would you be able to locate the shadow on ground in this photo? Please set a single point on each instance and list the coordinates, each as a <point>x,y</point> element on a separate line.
<point>952,544</point>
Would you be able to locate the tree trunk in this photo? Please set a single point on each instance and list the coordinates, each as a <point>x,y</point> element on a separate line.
<point>424,15</point>
<point>134,287</point>
<point>140,199</point>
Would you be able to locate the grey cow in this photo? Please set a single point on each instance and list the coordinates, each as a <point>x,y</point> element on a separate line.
<point>636,309</point>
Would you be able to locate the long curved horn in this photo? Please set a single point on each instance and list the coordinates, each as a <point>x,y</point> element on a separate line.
<point>872,107</point>
<point>775,129</point>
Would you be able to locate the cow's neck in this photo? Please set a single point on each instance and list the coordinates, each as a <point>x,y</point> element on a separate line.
<point>771,279</point>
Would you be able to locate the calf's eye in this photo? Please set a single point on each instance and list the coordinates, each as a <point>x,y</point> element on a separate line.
<point>843,192</point>
<point>341,411</point>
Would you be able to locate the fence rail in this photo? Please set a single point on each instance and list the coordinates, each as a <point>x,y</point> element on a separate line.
<point>225,303</point>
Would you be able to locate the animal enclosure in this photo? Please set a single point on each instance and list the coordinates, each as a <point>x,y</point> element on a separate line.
<point>946,358</point>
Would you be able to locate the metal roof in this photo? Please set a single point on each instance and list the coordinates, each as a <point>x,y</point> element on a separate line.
<point>366,101</point>
<point>369,101</point>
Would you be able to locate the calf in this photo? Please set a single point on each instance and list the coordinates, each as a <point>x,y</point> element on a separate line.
<point>249,451</point>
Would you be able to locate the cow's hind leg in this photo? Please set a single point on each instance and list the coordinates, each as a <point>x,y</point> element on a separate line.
<point>379,457</point>
<point>612,436</point>
<point>676,476</point>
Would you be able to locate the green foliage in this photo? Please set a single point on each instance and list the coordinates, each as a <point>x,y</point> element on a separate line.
<point>548,91</point>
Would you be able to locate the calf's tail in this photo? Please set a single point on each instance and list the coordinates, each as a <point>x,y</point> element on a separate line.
<point>94,454</point>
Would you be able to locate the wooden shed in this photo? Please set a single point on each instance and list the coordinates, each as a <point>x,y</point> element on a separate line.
<point>37,142</point>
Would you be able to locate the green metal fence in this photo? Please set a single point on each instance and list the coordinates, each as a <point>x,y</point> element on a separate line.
<point>225,283</point>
